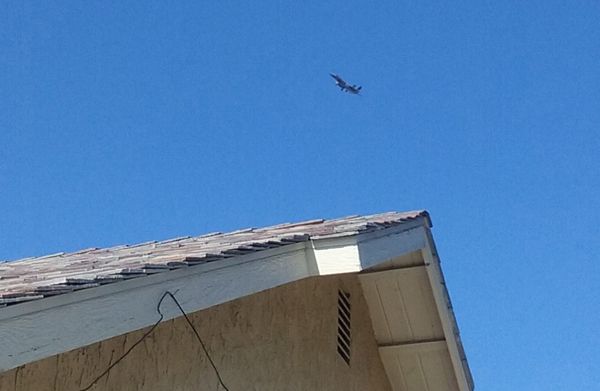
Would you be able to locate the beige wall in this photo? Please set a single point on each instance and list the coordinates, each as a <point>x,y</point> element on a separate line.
<point>281,339</point>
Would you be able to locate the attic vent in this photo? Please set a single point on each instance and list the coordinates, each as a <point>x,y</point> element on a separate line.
<point>344,336</point>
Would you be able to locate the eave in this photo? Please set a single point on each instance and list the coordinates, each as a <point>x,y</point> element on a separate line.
<point>38,329</point>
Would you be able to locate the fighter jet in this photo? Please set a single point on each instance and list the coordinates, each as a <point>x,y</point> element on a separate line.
<point>351,88</point>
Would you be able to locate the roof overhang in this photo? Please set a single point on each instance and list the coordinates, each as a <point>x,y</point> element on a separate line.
<point>38,329</point>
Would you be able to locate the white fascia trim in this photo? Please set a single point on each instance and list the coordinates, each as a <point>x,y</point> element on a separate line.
<point>353,254</point>
<point>444,307</point>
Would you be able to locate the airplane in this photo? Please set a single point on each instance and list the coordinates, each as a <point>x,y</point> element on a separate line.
<point>351,88</point>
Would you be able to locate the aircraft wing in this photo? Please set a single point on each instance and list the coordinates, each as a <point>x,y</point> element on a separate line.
<point>337,78</point>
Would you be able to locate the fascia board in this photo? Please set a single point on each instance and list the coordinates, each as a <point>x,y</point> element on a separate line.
<point>356,253</point>
<point>444,307</point>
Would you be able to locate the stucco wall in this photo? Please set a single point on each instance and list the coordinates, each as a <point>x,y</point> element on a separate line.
<point>281,339</point>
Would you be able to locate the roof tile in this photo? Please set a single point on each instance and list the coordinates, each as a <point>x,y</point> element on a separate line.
<point>34,278</point>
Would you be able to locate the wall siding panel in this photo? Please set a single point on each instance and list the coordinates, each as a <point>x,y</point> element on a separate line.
<point>280,339</point>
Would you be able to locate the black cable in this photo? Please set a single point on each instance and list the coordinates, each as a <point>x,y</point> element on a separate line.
<point>199,339</point>
<point>147,333</point>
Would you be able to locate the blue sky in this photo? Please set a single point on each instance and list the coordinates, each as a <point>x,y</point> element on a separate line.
<point>122,123</point>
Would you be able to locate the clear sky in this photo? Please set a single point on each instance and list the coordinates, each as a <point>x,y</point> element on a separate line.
<point>122,123</point>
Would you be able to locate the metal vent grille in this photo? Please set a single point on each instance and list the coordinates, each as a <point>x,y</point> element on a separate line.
<point>344,335</point>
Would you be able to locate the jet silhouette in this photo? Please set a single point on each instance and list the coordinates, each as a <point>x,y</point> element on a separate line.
<point>351,88</point>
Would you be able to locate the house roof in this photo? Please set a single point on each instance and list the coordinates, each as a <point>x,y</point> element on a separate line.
<point>35,278</point>
<point>102,293</point>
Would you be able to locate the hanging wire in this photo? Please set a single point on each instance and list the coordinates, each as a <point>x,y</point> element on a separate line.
<point>147,333</point>
<point>198,337</point>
